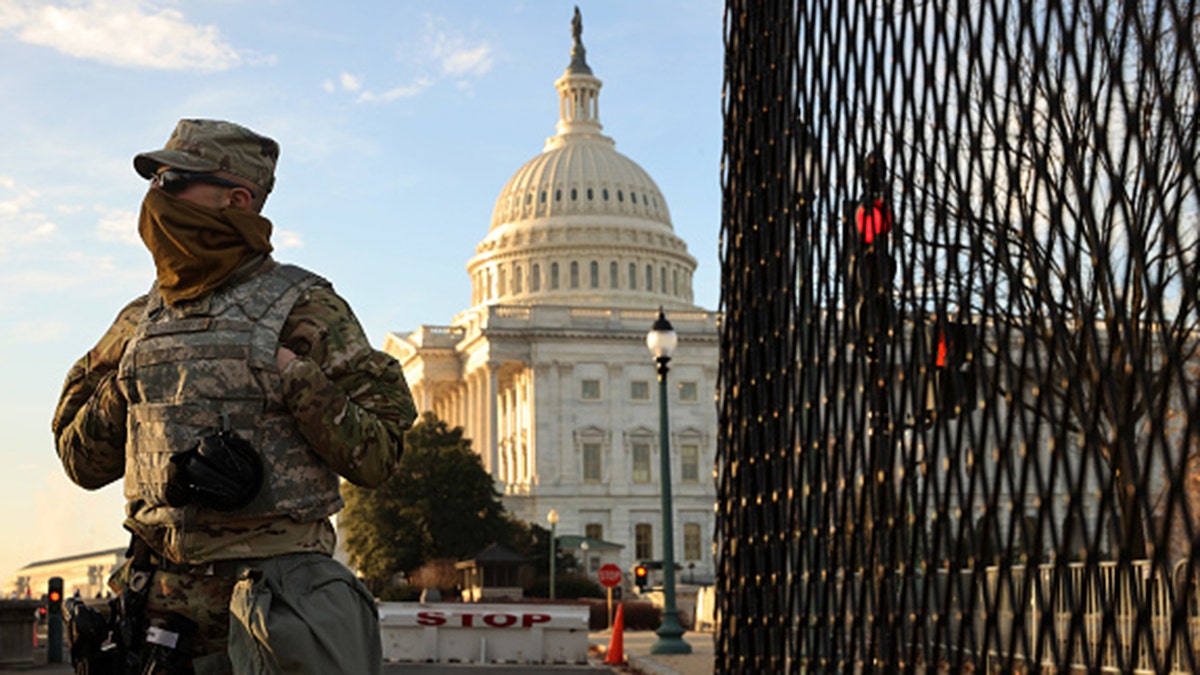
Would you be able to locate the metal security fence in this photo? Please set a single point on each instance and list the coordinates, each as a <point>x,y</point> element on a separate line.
<point>960,421</point>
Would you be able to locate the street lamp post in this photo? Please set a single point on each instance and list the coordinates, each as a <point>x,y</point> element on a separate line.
<point>552,518</point>
<point>662,340</point>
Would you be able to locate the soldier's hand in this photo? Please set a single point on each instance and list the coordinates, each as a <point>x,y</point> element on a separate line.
<point>283,357</point>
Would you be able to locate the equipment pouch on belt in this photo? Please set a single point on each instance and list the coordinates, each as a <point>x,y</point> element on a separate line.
<point>90,633</point>
<point>221,472</point>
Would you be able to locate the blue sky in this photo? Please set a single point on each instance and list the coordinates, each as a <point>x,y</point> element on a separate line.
<point>399,123</point>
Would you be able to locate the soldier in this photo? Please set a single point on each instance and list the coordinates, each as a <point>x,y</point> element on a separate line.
<point>232,397</point>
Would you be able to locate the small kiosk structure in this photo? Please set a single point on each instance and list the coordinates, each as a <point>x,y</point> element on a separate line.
<point>496,573</point>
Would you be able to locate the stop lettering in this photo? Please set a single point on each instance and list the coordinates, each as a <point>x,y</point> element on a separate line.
<point>471,619</point>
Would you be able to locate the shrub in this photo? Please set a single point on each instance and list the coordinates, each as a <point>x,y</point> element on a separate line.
<point>566,587</point>
<point>400,593</point>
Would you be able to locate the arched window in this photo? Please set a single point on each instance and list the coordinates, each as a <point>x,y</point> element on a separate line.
<point>589,194</point>
<point>662,280</point>
<point>574,194</point>
<point>649,278</point>
<point>518,280</point>
<point>502,282</point>
<point>604,192</point>
<point>595,274</point>
<point>675,282</point>
<point>612,274</point>
<point>558,195</point>
<point>633,197</point>
<point>535,278</point>
<point>554,276</point>
<point>621,196</point>
<point>574,274</point>
<point>633,276</point>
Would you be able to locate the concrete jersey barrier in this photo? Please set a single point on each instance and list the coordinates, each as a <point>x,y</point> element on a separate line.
<point>483,633</point>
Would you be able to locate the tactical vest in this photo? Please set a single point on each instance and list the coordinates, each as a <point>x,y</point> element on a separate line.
<point>208,365</point>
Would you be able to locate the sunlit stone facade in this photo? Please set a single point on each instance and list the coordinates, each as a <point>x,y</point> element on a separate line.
<point>548,371</point>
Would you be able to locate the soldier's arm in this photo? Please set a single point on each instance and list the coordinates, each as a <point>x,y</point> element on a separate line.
<point>89,421</point>
<point>350,401</point>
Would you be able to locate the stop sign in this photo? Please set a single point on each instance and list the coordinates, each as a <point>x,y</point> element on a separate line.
<point>609,575</point>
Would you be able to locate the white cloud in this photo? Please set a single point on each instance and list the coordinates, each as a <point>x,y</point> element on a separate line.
<point>119,225</point>
<point>40,231</point>
<point>351,82</point>
<point>20,223</point>
<point>457,59</point>
<point>284,239</point>
<point>408,91</point>
<point>121,32</point>
<point>441,53</point>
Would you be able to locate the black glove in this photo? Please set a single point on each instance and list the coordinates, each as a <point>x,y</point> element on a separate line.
<point>222,472</point>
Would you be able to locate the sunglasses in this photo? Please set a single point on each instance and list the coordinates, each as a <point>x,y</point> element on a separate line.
<point>173,181</point>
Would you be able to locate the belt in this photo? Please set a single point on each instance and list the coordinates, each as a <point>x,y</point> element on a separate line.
<point>218,568</point>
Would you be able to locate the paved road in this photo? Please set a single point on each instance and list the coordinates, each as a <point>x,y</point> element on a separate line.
<point>392,669</point>
<point>488,669</point>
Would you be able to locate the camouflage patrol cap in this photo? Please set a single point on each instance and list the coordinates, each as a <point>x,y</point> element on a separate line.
<point>214,145</point>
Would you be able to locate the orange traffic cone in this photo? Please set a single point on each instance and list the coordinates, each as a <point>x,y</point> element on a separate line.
<point>616,644</point>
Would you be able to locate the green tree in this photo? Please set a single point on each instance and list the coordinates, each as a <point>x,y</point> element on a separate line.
<point>440,504</point>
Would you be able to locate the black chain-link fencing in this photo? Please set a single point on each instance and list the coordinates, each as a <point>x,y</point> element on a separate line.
<point>960,419</point>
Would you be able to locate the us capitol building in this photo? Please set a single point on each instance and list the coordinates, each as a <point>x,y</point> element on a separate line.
<point>548,371</point>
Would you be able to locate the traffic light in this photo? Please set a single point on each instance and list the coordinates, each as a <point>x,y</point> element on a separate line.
<point>54,596</point>
<point>639,577</point>
<point>872,266</point>
<point>954,359</point>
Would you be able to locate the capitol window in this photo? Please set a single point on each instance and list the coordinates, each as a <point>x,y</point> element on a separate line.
<point>633,197</point>
<point>689,463</point>
<point>535,280</point>
<point>620,196</point>
<point>558,195</point>
<point>639,390</point>
<point>574,274</point>
<point>574,194</point>
<point>554,276</point>
<point>641,462</point>
<point>592,468</point>
<point>518,280</point>
<point>589,390</point>
<point>687,391</point>
<point>649,278</point>
<point>595,274</point>
<point>612,274</point>
<point>691,541</point>
<point>605,193</point>
<point>643,541</point>
<point>632,276</point>
<point>589,193</point>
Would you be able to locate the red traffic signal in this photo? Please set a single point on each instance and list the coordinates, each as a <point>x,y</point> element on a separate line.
<point>954,373</point>
<point>873,222</point>
<point>54,595</point>
<point>639,576</point>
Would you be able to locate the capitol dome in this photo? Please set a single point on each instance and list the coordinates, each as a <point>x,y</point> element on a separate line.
<point>580,223</point>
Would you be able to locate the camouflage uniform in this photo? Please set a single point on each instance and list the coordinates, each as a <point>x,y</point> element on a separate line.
<point>350,403</point>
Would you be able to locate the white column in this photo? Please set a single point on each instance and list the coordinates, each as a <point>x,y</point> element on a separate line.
<point>472,412</point>
<point>490,416</point>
